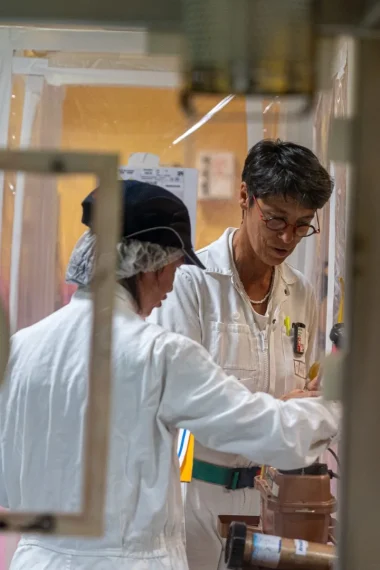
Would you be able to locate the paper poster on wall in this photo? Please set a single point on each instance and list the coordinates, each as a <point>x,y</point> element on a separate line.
<point>172,179</point>
<point>216,175</point>
<point>182,182</point>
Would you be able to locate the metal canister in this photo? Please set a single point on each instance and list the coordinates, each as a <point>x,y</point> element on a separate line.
<point>246,548</point>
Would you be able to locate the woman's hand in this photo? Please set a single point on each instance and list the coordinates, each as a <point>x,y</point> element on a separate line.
<point>300,394</point>
<point>313,385</point>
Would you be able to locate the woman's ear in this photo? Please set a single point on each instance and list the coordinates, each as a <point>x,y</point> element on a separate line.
<point>244,198</point>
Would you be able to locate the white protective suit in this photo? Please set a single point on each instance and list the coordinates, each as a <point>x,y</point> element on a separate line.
<point>161,382</point>
<point>212,308</point>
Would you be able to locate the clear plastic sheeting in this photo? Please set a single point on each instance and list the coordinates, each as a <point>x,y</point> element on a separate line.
<point>339,207</point>
<point>320,278</point>
<point>31,234</point>
<point>333,103</point>
<point>101,119</point>
<point>340,100</point>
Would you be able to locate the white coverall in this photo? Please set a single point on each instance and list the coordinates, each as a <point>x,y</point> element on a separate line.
<point>212,308</point>
<point>161,382</point>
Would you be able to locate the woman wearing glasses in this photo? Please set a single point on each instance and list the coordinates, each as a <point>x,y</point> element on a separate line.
<point>256,316</point>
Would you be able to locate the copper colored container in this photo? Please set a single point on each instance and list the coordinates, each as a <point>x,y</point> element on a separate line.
<point>248,549</point>
<point>296,504</point>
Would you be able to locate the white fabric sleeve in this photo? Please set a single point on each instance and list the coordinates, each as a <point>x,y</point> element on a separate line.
<point>180,311</point>
<point>225,416</point>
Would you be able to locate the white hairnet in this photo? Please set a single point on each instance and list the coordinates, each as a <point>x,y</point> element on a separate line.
<point>134,257</point>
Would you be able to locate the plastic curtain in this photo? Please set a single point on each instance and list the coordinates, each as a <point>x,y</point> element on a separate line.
<point>334,103</point>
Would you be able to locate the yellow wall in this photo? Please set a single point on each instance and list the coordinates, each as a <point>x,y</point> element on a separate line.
<point>127,120</point>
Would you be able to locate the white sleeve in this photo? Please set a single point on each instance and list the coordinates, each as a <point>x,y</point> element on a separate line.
<point>225,416</point>
<point>180,311</point>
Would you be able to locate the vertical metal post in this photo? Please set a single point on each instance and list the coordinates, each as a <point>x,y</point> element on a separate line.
<point>33,90</point>
<point>359,547</point>
<point>5,105</point>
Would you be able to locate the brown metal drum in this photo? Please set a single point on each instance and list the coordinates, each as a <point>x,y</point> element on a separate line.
<point>296,506</point>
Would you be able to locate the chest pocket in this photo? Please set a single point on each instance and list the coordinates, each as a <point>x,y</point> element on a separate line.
<point>232,346</point>
<point>295,366</point>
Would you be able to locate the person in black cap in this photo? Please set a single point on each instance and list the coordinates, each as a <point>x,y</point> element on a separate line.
<point>162,382</point>
<point>156,239</point>
<point>154,215</point>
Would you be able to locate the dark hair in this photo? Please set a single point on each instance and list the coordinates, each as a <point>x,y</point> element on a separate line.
<point>277,168</point>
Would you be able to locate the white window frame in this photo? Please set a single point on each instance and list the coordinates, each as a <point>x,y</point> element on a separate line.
<point>90,521</point>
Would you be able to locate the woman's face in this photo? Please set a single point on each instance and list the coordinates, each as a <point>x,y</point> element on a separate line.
<point>272,247</point>
<point>154,286</point>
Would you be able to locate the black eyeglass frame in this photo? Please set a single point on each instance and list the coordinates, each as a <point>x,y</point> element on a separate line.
<point>285,224</point>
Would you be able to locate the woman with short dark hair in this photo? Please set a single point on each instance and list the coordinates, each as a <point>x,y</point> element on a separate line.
<point>248,308</point>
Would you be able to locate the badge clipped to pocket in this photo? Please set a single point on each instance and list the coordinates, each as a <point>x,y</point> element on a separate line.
<point>299,339</point>
<point>299,343</point>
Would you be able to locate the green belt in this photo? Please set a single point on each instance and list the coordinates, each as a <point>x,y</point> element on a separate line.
<point>229,477</point>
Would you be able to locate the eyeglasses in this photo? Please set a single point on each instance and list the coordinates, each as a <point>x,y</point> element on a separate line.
<point>280,224</point>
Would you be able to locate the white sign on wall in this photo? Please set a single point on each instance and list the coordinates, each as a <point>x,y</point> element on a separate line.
<point>172,179</point>
<point>216,175</point>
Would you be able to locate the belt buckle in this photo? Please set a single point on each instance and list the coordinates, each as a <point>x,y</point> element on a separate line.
<point>235,482</point>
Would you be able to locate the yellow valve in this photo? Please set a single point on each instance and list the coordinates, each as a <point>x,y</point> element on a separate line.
<point>341,304</point>
<point>314,371</point>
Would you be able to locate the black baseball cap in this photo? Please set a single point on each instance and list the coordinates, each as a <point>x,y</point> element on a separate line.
<point>151,214</point>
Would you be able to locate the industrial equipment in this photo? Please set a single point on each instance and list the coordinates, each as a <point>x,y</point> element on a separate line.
<point>295,530</point>
<point>297,504</point>
<point>249,549</point>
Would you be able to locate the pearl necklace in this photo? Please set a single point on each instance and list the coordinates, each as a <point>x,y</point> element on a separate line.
<point>267,295</point>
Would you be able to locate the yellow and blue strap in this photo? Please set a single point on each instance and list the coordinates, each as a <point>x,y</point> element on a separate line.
<point>185,453</point>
